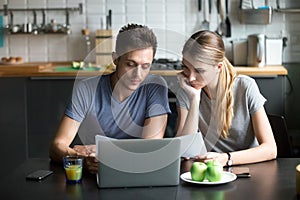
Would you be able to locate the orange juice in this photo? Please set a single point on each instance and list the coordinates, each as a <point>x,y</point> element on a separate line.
<point>73,168</point>
<point>74,173</point>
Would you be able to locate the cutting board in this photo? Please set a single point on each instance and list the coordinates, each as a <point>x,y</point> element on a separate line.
<point>70,69</point>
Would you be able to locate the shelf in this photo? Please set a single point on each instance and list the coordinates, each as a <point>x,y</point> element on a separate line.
<point>6,9</point>
<point>41,33</point>
<point>288,10</point>
<point>255,16</point>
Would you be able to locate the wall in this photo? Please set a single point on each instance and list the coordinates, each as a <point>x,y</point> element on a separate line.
<point>172,20</point>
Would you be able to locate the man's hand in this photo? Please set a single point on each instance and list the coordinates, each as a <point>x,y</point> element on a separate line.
<point>91,163</point>
<point>89,153</point>
<point>85,150</point>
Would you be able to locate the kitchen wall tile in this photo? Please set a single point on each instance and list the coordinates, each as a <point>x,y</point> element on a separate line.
<point>156,25</point>
<point>57,45</point>
<point>116,7</point>
<point>37,44</point>
<point>101,2</point>
<point>77,29</point>
<point>37,58</point>
<point>16,3</point>
<point>118,20</point>
<point>109,2</point>
<point>292,27</point>
<point>75,3</point>
<point>95,8</point>
<point>295,39</point>
<point>135,18</point>
<point>170,15</point>
<point>36,3</point>
<point>58,57</point>
<point>156,1</point>
<point>18,45</point>
<point>76,19</point>
<point>77,48</point>
<point>94,19</point>
<point>152,8</point>
<point>291,3</point>
<point>191,7</point>
<point>18,18</point>
<point>135,2</point>
<point>157,19</point>
<point>238,32</point>
<point>275,30</point>
<point>135,9</point>
<point>59,17</point>
<point>2,2</point>
<point>175,7</point>
<point>175,27</point>
<point>277,17</point>
<point>161,38</point>
<point>176,1</point>
<point>3,50</point>
<point>254,29</point>
<point>56,3</point>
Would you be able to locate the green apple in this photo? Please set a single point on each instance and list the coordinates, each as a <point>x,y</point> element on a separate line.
<point>210,163</point>
<point>214,171</point>
<point>198,171</point>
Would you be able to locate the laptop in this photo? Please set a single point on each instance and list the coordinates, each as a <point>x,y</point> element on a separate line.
<point>138,162</point>
<point>192,145</point>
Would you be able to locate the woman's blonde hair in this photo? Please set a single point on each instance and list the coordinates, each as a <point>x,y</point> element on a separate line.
<point>208,47</point>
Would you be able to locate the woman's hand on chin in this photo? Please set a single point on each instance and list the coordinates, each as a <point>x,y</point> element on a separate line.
<point>184,83</point>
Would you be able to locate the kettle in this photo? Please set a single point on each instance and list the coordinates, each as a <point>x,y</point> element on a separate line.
<point>256,50</point>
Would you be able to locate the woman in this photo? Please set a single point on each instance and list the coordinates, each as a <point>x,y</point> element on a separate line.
<point>226,108</point>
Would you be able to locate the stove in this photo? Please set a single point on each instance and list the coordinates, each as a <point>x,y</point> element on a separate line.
<point>166,64</point>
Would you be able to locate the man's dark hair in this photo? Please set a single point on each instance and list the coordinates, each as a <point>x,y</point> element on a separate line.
<point>133,37</point>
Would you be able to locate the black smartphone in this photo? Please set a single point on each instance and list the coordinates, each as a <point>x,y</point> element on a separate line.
<point>241,172</point>
<point>39,175</point>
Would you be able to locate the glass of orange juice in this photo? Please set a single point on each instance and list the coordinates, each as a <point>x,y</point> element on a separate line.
<point>73,168</point>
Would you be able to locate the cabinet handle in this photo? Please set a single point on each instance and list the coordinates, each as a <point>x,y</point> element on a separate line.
<point>264,76</point>
<point>52,78</point>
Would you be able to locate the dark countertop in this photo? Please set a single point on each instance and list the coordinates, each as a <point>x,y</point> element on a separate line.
<point>269,180</point>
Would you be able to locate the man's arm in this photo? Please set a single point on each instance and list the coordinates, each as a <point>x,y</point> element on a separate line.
<point>154,127</point>
<point>64,136</point>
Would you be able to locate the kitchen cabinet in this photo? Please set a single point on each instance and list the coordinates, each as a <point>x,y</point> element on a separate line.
<point>292,104</point>
<point>47,98</point>
<point>273,89</point>
<point>46,101</point>
<point>13,117</point>
<point>32,107</point>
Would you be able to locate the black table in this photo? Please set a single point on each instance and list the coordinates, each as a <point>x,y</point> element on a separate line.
<point>269,180</point>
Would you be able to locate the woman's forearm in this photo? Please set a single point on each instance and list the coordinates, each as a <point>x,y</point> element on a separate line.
<point>192,120</point>
<point>261,153</point>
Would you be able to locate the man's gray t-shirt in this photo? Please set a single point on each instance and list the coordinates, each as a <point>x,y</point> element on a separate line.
<point>247,100</point>
<point>100,112</point>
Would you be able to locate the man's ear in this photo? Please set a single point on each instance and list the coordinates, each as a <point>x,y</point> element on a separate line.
<point>115,58</point>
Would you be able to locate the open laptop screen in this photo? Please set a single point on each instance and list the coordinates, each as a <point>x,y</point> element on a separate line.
<point>138,162</point>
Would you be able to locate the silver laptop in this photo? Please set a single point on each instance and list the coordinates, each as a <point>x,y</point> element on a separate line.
<point>137,162</point>
<point>192,145</point>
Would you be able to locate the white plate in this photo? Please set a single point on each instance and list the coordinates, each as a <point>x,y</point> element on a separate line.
<point>226,178</point>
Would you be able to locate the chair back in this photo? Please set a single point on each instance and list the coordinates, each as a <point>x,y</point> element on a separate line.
<point>282,138</point>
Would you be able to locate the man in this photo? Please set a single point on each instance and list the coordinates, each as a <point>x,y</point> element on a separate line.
<point>128,103</point>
